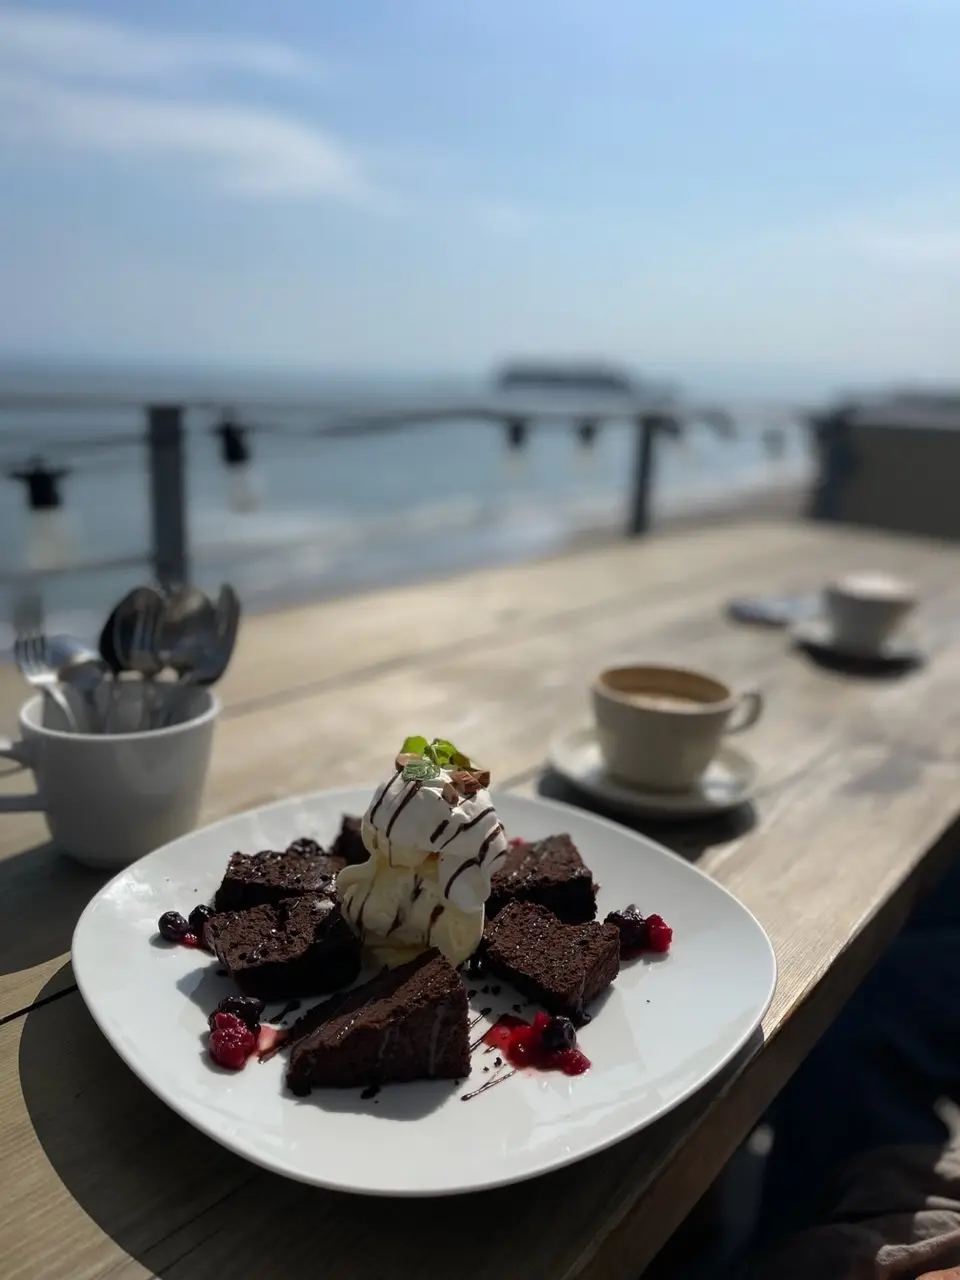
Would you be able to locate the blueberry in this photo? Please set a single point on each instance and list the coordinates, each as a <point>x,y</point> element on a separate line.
<point>173,927</point>
<point>198,918</point>
<point>632,926</point>
<point>558,1035</point>
<point>247,1008</point>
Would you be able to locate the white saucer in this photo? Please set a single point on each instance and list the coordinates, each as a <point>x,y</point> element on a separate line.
<point>727,783</point>
<point>817,633</point>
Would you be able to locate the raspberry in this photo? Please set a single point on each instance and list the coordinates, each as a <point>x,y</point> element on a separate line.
<point>189,940</point>
<point>572,1062</point>
<point>226,1049</point>
<point>231,1044</point>
<point>225,1021</point>
<point>659,934</point>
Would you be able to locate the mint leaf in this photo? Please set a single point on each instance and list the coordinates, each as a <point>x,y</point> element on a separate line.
<point>446,754</point>
<point>420,771</point>
<point>415,746</point>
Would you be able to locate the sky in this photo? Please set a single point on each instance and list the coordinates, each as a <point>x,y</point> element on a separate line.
<point>435,185</point>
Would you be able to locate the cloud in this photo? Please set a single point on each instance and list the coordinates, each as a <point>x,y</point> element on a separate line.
<point>66,46</point>
<point>928,247</point>
<point>82,85</point>
<point>244,150</point>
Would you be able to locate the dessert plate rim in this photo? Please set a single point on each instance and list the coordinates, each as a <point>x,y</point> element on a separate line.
<point>223,1106</point>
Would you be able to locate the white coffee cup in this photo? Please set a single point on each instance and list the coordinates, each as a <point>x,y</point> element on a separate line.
<point>659,727</point>
<point>110,798</point>
<point>865,609</point>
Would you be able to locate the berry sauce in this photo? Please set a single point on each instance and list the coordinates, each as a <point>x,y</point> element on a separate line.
<point>639,933</point>
<point>527,1044</point>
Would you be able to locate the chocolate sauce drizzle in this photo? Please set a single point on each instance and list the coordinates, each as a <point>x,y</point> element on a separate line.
<point>408,795</point>
<point>382,795</point>
<point>488,1084</point>
<point>477,860</point>
<point>465,826</point>
<point>290,1007</point>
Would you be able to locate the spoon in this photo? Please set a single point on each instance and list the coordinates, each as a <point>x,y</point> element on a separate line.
<point>80,668</point>
<point>135,635</point>
<point>213,661</point>
<point>189,629</point>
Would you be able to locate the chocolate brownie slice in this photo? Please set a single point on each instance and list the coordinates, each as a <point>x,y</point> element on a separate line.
<point>408,1023</point>
<point>298,946</point>
<point>349,844</point>
<point>252,880</point>
<point>550,872</point>
<point>563,967</point>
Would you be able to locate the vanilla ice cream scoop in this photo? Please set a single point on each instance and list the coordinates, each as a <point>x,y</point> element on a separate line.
<point>434,841</point>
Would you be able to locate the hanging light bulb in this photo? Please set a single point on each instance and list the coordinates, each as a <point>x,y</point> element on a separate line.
<point>242,491</point>
<point>48,543</point>
<point>587,432</point>
<point>517,430</point>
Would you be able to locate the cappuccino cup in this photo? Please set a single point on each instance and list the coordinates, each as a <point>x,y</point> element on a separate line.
<point>659,727</point>
<point>864,610</point>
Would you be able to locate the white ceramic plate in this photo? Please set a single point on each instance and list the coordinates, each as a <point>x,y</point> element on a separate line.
<point>668,1025</point>
<point>728,782</point>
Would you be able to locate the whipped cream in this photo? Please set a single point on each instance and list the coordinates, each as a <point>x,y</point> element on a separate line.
<point>434,844</point>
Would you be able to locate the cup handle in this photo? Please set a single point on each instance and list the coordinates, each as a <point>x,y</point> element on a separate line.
<point>20,752</point>
<point>747,711</point>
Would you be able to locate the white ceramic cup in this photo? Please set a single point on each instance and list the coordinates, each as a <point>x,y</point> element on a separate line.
<point>865,609</point>
<point>659,727</point>
<point>110,798</point>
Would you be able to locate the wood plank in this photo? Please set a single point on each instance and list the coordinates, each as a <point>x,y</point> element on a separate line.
<point>504,695</point>
<point>83,1134</point>
<point>860,780</point>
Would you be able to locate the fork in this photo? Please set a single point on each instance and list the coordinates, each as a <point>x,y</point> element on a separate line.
<point>31,654</point>
<point>143,654</point>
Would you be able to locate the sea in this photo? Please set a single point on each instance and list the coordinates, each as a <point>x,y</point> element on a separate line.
<point>337,515</point>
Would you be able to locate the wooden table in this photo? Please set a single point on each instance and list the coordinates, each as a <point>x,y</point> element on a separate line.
<point>856,813</point>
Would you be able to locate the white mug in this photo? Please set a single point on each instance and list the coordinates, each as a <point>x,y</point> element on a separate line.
<point>865,609</point>
<point>660,726</point>
<point>110,798</point>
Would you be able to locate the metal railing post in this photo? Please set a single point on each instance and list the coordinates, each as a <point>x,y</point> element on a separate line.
<point>168,505</point>
<point>638,520</point>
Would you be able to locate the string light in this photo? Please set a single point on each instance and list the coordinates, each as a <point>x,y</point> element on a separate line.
<point>517,431</point>
<point>242,490</point>
<point>48,543</point>
<point>586,431</point>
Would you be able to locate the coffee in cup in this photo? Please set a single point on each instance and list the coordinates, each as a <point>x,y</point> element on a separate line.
<point>659,727</point>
